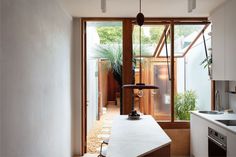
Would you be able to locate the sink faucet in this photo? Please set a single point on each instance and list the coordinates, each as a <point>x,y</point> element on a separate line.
<point>217,100</point>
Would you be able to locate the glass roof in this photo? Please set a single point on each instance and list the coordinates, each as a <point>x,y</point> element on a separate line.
<point>184,37</point>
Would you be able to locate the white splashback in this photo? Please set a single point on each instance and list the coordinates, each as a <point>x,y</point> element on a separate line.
<point>222,87</point>
<point>232,97</point>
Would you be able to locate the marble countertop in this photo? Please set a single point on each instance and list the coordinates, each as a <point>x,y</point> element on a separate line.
<point>133,138</point>
<point>213,118</point>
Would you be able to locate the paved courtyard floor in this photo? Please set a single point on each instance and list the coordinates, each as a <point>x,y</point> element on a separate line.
<point>101,129</point>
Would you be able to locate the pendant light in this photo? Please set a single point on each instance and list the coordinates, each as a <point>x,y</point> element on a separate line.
<point>140,86</point>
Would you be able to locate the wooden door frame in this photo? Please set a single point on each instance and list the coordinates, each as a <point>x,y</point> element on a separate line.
<point>127,22</point>
<point>84,89</point>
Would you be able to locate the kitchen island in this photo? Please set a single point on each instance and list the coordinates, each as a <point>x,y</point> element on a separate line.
<point>144,137</point>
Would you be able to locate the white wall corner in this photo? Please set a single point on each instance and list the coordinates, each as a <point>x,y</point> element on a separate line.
<point>218,7</point>
<point>76,86</point>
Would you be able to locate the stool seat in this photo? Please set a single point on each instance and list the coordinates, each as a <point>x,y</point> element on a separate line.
<point>103,150</point>
<point>106,141</point>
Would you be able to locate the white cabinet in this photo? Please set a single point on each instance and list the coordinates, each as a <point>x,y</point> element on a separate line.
<point>218,44</point>
<point>224,41</point>
<point>198,137</point>
<point>230,40</point>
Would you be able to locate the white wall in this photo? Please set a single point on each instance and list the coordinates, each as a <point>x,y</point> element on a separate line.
<point>92,77</point>
<point>197,78</point>
<point>35,68</point>
<point>92,93</point>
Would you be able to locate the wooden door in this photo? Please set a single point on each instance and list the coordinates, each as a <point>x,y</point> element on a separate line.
<point>160,99</point>
<point>102,86</point>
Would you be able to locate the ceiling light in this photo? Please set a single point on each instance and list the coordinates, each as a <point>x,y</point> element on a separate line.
<point>103,6</point>
<point>191,5</point>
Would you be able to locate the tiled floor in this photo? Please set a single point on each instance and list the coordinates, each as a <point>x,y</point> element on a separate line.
<point>101,130</point>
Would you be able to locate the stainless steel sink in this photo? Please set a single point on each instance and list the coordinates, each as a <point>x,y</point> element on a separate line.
<point>210,112</point>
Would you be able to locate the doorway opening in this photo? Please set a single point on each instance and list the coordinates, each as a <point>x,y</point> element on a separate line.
<point>173,49</point>
<point>103,68</point>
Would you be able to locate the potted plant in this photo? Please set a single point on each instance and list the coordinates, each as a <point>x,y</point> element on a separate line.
<point>113,55</point>
<point>184,103</point>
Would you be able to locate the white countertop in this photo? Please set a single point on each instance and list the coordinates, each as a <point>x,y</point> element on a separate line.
<point>131,138</point>
<point>212,118</point>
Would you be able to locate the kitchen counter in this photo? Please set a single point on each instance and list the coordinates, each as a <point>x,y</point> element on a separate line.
<point>133,138</point>
<point>212,118</point>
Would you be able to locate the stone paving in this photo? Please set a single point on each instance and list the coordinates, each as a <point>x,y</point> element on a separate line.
<point>101,129</point>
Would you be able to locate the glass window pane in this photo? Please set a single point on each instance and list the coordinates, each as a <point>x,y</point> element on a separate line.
<point>150,37</point>
<point>192,80</point>
<point>155,102</point>
<point>161,97</point>
<point>184,36</point>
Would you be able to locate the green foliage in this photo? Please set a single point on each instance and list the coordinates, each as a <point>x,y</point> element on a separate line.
<point>110,34</point>
<point>185,30</point>
<point>207,62</point>
<point>113,54</point>
<point>144,50</point>
<point>155,35</point>
<point>185,102</point>
<point>113,34</point>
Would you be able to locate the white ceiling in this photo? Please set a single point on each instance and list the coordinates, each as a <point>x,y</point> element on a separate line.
<point>129,8</point>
